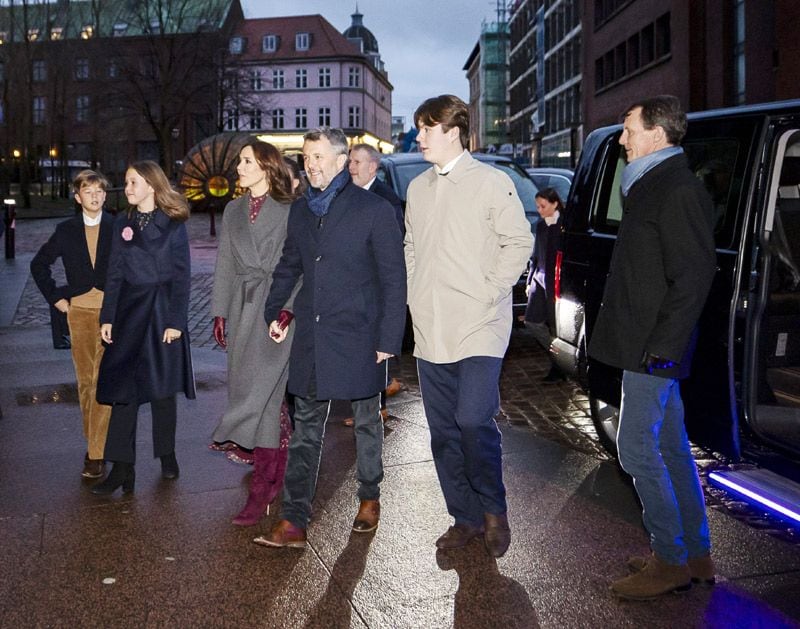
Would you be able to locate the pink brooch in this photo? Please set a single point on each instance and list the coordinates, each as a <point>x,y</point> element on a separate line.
<point>127,234</point>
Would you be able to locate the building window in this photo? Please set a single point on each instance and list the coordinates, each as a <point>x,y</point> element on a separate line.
<point>354,117</point>
<point>738,53</point>
<point>301,79</point>
<point>269,43</point>
<point>324,77</point>
<point>256,84</point>
<point>277,79</point>
<point>57,33</point>
<point>302,41</point>
<point>231,119</point>
<point>236,46</point>
<point>113,69</point>
<point>82,109</point>
<point>255,119</point>
<point>324,116</point>
<point>277,119</point>
<point>81,69</point>
<point>39,70</point>
<point>155,26</point>
<point>120,28</point>
<point>300,118</point>
<point>33,34</point>
<point>354,79</point>
<point>87,32</point>
<point>39,110</point>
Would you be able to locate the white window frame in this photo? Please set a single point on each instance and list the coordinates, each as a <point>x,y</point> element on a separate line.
<point>302,41</point>
<point>269,43</point>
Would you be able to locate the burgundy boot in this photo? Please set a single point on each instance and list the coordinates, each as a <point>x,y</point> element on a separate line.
<point>261,493</point>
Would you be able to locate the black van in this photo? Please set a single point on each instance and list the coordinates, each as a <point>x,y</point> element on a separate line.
<point>745,382</point>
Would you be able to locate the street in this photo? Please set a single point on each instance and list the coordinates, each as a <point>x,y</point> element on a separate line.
<point>167,554</point>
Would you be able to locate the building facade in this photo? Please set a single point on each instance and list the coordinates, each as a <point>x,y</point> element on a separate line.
<point>299,73</point>
<point>545,81</point>
<point>104,84</point>
<point>709,53</point>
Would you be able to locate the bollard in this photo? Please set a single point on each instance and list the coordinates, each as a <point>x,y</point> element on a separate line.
<point>9,218</point>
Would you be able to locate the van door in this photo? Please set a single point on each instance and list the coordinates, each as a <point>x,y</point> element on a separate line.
<point>771,361</point>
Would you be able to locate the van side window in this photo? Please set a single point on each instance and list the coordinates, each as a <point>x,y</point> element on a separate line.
<point>717,153</point>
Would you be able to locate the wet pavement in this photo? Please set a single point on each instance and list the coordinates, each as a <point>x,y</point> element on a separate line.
<point>167,555</point>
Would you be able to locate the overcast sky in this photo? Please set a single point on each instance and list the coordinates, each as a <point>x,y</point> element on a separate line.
<point>423,43</point>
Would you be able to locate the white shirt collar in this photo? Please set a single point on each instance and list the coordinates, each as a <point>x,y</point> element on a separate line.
<point>552,220</point>
<point>449,165</point>
<point>369,183</point>
<point>91,222</point>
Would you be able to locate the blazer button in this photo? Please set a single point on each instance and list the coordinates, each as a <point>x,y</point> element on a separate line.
<point>316,318</point>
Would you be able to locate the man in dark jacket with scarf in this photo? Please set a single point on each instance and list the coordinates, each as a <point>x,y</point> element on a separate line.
<point>661,271</point>
<point>350,315</point>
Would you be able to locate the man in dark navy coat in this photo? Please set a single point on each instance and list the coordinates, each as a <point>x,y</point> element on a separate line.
<point>350,313</point>
<point>363,167</point>
<point>661,271</point>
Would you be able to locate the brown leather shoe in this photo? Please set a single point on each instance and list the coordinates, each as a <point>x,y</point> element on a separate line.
<point>394,387</point>
<point>700,568</point>
<point>497,536</point>
<point>457,536</point>
<point>93,468</point>
<point>655,579</point>
<point>368,516</point>
<point>284,533</point>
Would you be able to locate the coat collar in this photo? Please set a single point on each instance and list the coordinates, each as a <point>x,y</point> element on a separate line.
<point>459,171</point>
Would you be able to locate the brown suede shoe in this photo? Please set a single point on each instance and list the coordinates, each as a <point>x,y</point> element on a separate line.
<point>394,387</point>
<point>655,579</point>
<point>369,513</point>
<point>497,536</point>
<point>701,568</point>
<point>457,536</point>
<point>93,468</point>
<point>284,533</point>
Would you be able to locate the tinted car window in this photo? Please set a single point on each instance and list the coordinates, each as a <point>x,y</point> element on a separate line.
<point>561,184</point>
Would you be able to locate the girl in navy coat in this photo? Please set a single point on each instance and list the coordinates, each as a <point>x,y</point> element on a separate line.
<point>144,323</point>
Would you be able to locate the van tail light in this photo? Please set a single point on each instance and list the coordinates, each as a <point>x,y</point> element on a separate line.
<point>557,279</point>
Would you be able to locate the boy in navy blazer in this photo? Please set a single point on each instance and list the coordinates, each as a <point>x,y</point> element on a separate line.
<point>83,244</point>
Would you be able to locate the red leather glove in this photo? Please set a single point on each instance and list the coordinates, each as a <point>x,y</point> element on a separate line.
<point>219,331</point>
<point>285,318</point>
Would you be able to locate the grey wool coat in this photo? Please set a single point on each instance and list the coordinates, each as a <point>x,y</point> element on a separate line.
<point>257,366</point>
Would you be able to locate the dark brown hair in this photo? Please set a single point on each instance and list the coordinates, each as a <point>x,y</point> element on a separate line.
<point>447,110</point>
<point>270,160</point>
<point>169,201</point>
<point>296,173</point>
<point>663,111</point>
<point>551,196</point>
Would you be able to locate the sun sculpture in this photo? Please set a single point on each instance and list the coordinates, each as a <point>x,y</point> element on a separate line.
<point>208,175</point>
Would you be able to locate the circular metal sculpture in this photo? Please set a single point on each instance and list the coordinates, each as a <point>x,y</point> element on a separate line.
<point>208,175</point>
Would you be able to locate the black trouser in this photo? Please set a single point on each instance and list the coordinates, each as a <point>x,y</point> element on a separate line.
<point>121,439</point>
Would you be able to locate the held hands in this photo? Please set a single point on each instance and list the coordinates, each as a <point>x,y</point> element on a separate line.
<point>219,332</point>
<point>278,329</point>
<point>105,332</point>
<point>171,334</point>
<point>651,362</point>
<point>62,305</point>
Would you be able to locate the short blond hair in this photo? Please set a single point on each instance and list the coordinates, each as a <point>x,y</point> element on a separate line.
<point>89,178</point>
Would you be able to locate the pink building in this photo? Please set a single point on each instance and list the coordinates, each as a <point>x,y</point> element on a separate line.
<point>298,73</point>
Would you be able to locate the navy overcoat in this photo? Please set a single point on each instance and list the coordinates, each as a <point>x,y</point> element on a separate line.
<point>353,300</point>
<point>147,291</point>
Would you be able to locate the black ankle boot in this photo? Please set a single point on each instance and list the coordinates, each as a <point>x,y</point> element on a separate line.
<point>169,466</point>
<point>121,475</point>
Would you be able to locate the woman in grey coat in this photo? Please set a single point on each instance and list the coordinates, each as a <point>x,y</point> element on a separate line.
<point>254,229</point>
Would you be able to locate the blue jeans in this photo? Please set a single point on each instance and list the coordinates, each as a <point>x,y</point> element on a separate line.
<point>460,401</point>
<point>305,450</point>
<point>654,450</point>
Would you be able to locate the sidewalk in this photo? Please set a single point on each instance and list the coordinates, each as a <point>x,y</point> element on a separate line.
<point>167,555</point>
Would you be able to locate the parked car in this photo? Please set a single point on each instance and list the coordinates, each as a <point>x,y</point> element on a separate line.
<point>558,178</point>
<point>745,382</point>
<point>398,169</point>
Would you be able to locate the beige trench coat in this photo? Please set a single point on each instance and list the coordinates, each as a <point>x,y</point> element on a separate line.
<point>467,243</point>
